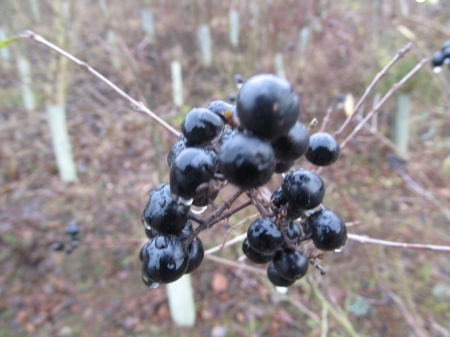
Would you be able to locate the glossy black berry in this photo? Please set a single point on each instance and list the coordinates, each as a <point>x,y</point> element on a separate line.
<point>191,168</point>
<point>291,265</point>
<point>323,149</point>
<point>196,253</point>
<point>149,232</point>
<point>276,278</point>
<point>292,230</point>
<point>165,260</point>
<point>72,228</point>
<point>277,198</point>
<point>162,213</point>
<point>232,98</point>
<point>282,166</point>
<point>438,59</point>
<point>200,126</point>
<point>238,79</point>
<point>143,251</point>
<point>254,256</point>
<point>221,108</point>
<point>303,188</point>
<point>179,146</point>
<point>328,230</point>
<point>264,236</point>
<point>293,145</point>
<point>268,106</point>
<point>246,161</point>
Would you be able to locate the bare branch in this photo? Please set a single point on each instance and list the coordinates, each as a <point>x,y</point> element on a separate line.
<point>388,95</point>
<point>139,106</point>
<point>366,239</point>
<point>372,85</point>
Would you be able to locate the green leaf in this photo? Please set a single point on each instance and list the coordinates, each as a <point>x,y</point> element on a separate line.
<point>7,42</point>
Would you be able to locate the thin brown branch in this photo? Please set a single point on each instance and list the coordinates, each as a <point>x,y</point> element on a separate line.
<point>139,106</point>
<point>388,95</point>
<point>236,264</point>
<point>326,119</point>
<point>372,85</point>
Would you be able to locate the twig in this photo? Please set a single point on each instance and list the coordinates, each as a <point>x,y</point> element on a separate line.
<point>366,239</point>
<point>312,125</point>
<point>139,106</point>
<point>326,119</point>
<point>393,89</point>
<point>236,264</point>
<point>237,239</point>
<point>372,85</point>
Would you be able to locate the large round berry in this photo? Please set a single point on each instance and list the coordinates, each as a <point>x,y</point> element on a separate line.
<point>162,213</point>
<point>196,253</point>
<point>293,145</point>
<point>191,168</point>
<point>179,146</point>
<point>276,278</point>
<point>323,149</point>
<point>200,126</point>
<point>303,188</point>
<point>264,236</point>
<point>246,161</point>
<point>254,256</point>
<point>290,264</point>
<point>165,259</point>
<point>268,106</point>
<point>328,230</point>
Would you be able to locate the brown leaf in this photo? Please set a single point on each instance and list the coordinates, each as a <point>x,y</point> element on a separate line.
<point>220,282</point>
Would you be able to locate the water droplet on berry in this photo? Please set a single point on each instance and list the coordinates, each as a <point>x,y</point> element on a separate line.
<point>447,60</point>
<point>282,290</point>
<point>340,249</point>
<point>198,209</point>
<point>283,175</point>
<point>437,70</point>
<point>239,85</point>
<point>150,283</point>
<point>185,202</point>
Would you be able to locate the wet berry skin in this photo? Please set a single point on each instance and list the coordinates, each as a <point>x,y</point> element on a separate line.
<point>291,265</point>
<point>200,126</point>
<point>323,149</point>
<point>293,145</point>
<point>254,256</point>
<point>328,230</point>
<point>303,188</point>
<point>165,259</point>
<point>162,213</point>
<point>191,168</point>
<point>268,106</point>
<point>264,236</point>
<point>292,231</point>
<point>179,146</point>
<point>196,253</point>
<point>277,198</point>
<point>276,278</point>
<point>246,161</point>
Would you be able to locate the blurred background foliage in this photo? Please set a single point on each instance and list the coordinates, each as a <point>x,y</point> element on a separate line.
<point>327,50</point>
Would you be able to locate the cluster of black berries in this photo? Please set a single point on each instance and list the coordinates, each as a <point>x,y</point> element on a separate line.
<point>441,57</point>
<point>72,231</point>
<point>243,144</point>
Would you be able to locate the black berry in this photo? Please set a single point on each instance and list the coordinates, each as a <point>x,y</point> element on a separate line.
<point>268,106</point>
<point>303,188</point>
<point>162,213</point>
<point>282,166</point>
<point>276,278</point>
<point>323,149</point>
<point>246,161</point>
<point>328,230</point>
<point>290,264</point>
<point>264,236</point>
<point>196,253</point>
<point>200,126</point>
<point>254,256</point>
<point>293,145</point>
